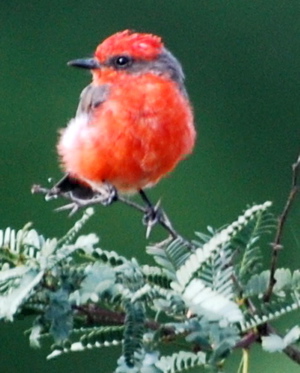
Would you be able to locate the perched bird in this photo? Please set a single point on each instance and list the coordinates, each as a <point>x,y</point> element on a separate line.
<point>134,122</point>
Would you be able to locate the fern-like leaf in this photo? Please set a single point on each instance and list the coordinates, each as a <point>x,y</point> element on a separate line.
<point>133,334</point>
<point>89,252</point>
<point>156,276</point>
<point>181,361</point>
<point>246,242</point>
<point>216,244</point>
<point>267,312</point>
<point>96,338</point>
<point>170,256</point>
<point>203,301</point>
<point>18,246</point>
<point>18,289</point>
<point>72,233</point>
<point>275,343</point>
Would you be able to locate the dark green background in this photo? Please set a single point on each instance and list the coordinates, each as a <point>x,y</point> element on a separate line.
<point>242,63</point>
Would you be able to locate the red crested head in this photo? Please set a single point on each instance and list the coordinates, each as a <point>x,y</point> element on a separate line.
<point>137,45</point>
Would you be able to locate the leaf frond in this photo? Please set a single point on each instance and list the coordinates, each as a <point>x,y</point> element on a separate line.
<point>246,242</point>
<point>170,256</point>
<point>181,361</point>
<point>156,276</point>
<point>216,244</point>
<point>269,311</point>
<point>97,338</point>
<point>72,233</point>
<point>133,333</point>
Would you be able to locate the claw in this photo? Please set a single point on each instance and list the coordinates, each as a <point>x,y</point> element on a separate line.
<point>74,207</point>
<point>79,195</point>
<point>105,197</point>
<point>52,194</point>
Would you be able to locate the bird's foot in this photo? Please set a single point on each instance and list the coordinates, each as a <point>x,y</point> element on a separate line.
<point>76,205</point>
<point>105,196</point>
<point>79,195</point>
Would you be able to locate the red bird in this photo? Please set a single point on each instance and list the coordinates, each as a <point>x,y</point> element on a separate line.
<point>134,122</point>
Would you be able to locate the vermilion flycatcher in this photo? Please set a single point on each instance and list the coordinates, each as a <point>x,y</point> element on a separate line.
<point>134,122</point>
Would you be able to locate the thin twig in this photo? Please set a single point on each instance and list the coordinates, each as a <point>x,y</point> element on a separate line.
<point>159,216</point>
<point>96,315</point>
<point>277,246</point>
<point>293,353</point>
<point>247,340</point>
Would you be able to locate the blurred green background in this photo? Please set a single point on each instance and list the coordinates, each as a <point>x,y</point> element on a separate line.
<point>242,64</point>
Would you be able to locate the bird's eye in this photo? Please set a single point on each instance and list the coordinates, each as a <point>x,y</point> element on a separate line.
<point>122,61</point>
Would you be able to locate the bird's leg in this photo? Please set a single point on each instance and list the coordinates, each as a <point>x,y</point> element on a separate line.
<point>79,195</point>
<point>82,196</point>
<point>106,195</point>
<point>152,211</point>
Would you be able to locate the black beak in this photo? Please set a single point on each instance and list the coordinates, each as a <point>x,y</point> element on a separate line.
<point>85,63</point>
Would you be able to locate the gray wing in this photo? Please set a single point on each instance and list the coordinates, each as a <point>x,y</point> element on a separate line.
<point>91,97</point>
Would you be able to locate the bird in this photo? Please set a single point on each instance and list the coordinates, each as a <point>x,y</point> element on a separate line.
<point>134,122</point>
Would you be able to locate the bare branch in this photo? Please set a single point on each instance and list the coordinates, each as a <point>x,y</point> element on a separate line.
<point>152,214</point>
<point>277,246</point>
<point>96,315</point>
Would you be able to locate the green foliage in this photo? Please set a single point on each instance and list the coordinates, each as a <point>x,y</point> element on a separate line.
<point>88,338</point>
<point>274,343</point>
<point>133,333</point>
<point>181,361</point>
<point>170,256</point>
<point>206,294</point>
<point>248,240</point>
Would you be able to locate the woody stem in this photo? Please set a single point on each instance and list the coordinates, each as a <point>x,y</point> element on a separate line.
<point>152,214</point>
<point>156,213</point>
